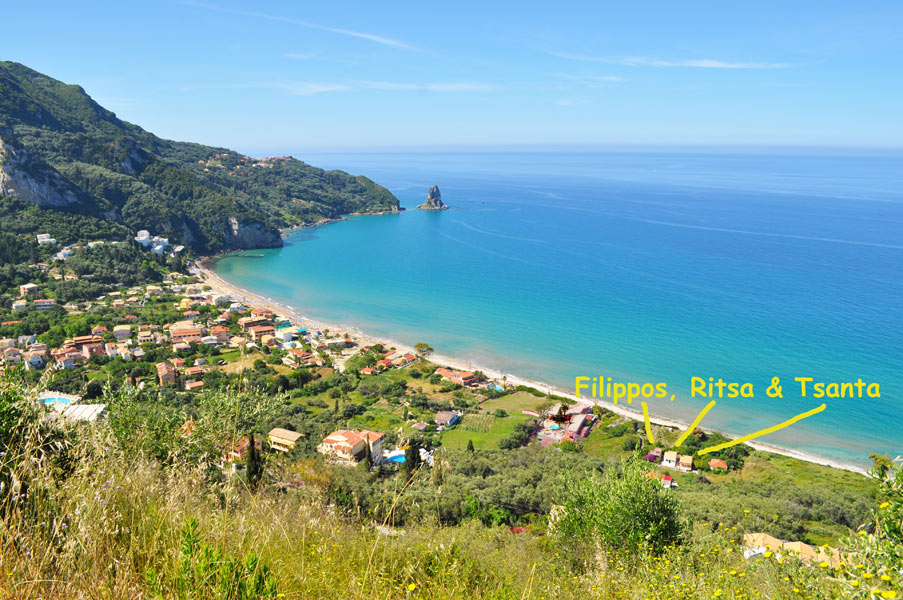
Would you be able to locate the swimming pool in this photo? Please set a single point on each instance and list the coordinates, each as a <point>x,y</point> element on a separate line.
<point>52,398</point>
<point>398,458</point>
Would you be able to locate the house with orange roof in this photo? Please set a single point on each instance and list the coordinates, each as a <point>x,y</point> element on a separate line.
<point>195,371</point>
<point>349,447</point>
<point>258,331</point>
<point>464,378</point>
<point>239,450</point>
<point>221,332</point>
<point>186,334</point>
<point>716,464</point>
<point>245,323</point>
<point>667,480</point>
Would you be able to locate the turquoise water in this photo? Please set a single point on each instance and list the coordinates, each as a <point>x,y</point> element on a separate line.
<point>640,267</point>
<point>56,400</point>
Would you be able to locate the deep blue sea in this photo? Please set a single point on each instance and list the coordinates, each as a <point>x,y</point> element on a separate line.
<point>637,266</point>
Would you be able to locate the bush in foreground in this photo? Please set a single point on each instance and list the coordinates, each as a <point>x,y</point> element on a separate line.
<point>84,517</point>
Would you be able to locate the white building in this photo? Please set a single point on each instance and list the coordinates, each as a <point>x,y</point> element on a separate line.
<point>44,239</point>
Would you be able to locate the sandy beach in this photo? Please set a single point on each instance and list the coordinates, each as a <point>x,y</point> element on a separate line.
<point>203,270</point>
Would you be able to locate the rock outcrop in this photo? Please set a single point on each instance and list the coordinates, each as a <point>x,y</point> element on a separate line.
<point>24,176</point>
<point>245,236</point>
<point>433,200</point>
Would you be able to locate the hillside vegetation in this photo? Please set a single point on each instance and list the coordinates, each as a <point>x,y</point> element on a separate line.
<point>89,512</point>
<point>86,168</point>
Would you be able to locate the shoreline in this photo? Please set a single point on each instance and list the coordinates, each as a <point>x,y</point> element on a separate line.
<point>202,265</point>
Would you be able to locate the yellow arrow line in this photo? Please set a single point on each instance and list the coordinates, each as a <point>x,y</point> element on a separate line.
<point>647,423</point>
<point>750,436</point>
<point>693,425</point>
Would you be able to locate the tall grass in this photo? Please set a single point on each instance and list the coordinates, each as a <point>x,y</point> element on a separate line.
<point>85,518</point>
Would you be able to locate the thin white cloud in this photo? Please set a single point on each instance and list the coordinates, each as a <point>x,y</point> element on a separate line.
<point>309,88</point>
<point>592,80</point>
<point>705,63</point>
<point>300,88</point>
<point>300,56</point>
<point>642,61</point>
<point>376,39</point>
<point>462,86</point>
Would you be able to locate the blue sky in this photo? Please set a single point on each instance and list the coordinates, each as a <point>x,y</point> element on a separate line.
<point>272,77</point>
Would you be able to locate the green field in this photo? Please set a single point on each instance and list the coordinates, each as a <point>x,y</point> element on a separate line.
<point>484,430</point>
<point>514,403</point>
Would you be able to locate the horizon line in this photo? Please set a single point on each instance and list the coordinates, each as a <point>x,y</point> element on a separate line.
<point>557,147</point>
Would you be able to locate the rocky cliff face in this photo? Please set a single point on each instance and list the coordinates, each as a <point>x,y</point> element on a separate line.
<point>433,200</point>
<point>243,236</point>
<point>24,176</point>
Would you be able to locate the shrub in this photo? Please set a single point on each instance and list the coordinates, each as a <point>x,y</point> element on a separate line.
<point>205,572</point>
<point>630,444</point>
<point>876,550</point>
<point>621,510</point>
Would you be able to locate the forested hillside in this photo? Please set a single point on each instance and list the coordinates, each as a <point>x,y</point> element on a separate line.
<point>83,166</point>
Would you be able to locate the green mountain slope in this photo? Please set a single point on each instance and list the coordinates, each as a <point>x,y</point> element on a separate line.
<point>65,153</point>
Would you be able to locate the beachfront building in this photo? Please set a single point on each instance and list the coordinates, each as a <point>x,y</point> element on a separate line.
<point>259,331</point>
<point>670,459</point>
<point>349,447</point>
<point>464,378</point>
<point>403,361</point>
<point>716,464</point>
<point>283,440</point>
<point>685,463</point>
<point>245,323</point>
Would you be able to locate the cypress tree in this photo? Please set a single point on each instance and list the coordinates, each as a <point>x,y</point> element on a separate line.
<point>255,465</point>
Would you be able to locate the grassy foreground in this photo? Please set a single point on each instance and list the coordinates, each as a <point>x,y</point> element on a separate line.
<point>85,517</point>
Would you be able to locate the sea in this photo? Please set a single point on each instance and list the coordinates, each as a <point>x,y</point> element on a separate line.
<point>638,266</point>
